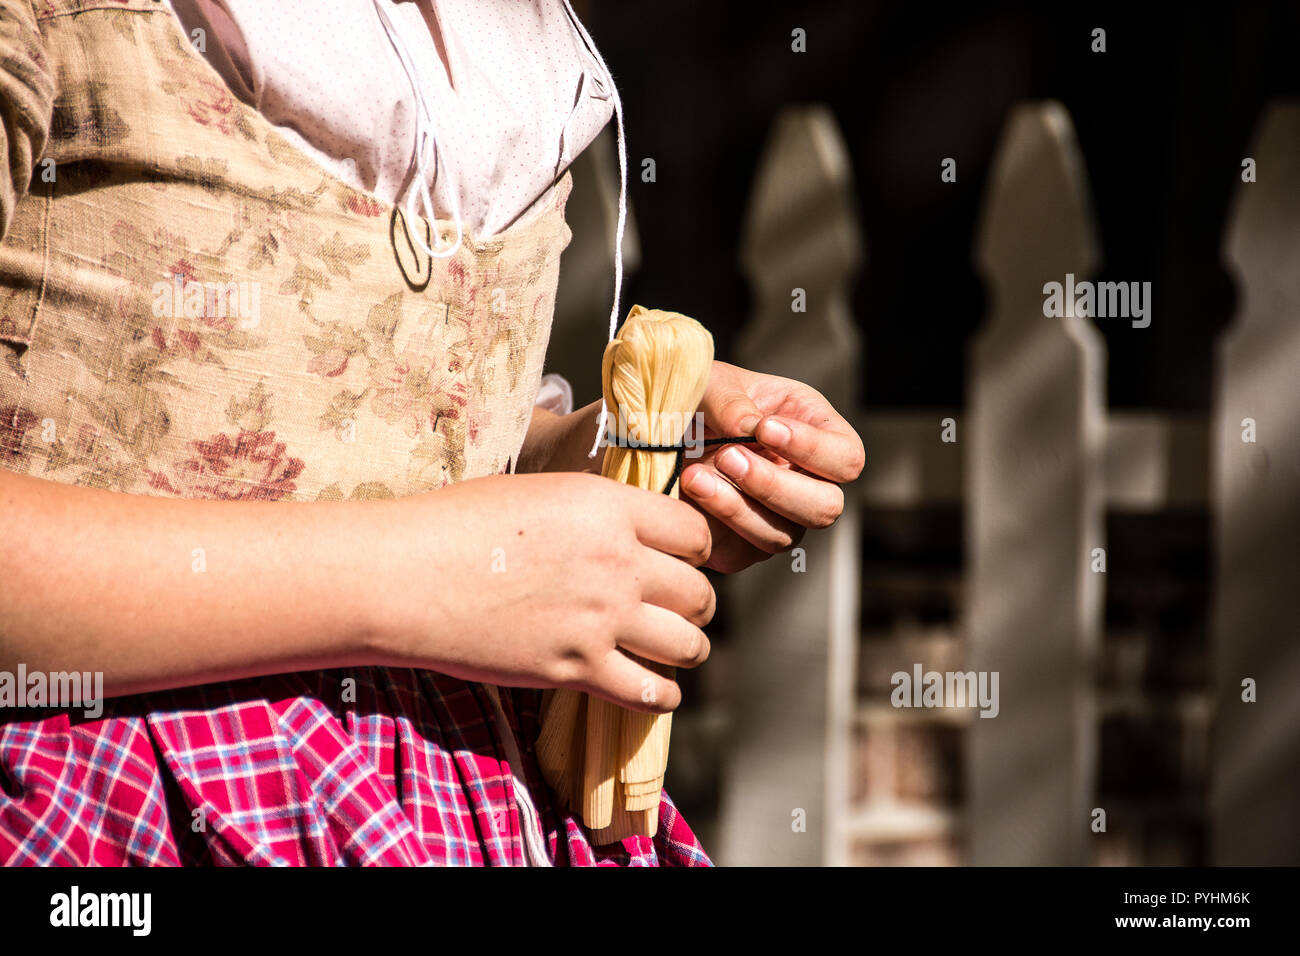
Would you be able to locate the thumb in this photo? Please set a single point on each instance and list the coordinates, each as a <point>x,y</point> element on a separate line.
<point>730,410</point>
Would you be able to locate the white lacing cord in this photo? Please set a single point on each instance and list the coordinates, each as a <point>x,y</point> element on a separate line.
<point>426,142</point>
<point>622,207</point>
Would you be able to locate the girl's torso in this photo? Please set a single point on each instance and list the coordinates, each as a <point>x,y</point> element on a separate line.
<point>191,306</point>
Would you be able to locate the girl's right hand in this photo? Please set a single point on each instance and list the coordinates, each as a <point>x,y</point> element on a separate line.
<point>546,581</point>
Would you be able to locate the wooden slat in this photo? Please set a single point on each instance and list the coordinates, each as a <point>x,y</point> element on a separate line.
<point>1034,505</point>
<point>880,715</point>
<point>793,694</point>
<point>1153,460</point>
<point>1255,787</point>
<point>908,465</point>
<point>1156,461</point>
<point>896,823</point>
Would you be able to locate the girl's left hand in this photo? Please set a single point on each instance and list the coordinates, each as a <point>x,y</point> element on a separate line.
<point>759,499</point>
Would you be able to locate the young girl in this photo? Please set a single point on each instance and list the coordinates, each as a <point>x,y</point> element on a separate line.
<point>272,322</point>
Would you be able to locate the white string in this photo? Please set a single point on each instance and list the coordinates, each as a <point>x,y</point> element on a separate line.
<point>622,209</point>
<point>426,142</point>
<point>565,156</point>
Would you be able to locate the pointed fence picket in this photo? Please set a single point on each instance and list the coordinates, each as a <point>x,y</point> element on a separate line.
<point>1255,769</point>
<point>785,781</point>
<point>1034,503</point>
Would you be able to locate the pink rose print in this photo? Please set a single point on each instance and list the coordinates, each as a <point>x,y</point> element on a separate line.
<point>329,363</point>
<point>221,304</point>
<point>364,205</point>
<point>250,467</point>
<point>408,390</point>
<point>14,423</point>
<point>214,106</point>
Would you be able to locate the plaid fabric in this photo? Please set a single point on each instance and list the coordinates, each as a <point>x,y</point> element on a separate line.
<point>374,766</point>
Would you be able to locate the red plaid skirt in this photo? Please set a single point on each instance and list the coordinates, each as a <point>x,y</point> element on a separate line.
<point>272,771</point>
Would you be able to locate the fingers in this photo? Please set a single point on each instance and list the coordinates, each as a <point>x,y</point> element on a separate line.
<point>731,552</point>
<point>761,527</point>
<point>672,584</point>
<point>806,500</point>
<point>727,404</point>
<point>621,680</point>
<point>832,450</point>
<point>671,526</point>
<point>660,635</point>
<point>663,629</point>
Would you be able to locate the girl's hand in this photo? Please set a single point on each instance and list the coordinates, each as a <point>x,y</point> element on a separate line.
<point>552,580</point>
<point>760,499</point>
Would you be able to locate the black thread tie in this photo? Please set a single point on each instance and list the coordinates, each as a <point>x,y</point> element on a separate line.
<point>680,450</point>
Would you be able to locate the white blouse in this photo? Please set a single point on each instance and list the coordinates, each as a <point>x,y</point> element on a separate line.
<point>513,92</point>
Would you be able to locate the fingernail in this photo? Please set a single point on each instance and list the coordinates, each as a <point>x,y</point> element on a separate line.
<point>701,484</point>
<point>747,424</point>
<point>733,462</point>
<point>774,434</point>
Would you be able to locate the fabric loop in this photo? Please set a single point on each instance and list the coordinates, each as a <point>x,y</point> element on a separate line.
<point>426,147</point>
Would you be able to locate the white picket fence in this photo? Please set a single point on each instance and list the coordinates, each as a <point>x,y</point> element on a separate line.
<point>1037,463</point>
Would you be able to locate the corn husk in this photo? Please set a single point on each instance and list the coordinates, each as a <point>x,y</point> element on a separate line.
<point>603,760</point>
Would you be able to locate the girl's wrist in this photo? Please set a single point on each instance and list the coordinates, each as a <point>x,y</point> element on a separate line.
<point>570,452</point>
<point>561,442</point>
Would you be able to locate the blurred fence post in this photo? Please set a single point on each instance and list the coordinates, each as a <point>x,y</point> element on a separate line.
<point>1255,494</point>
<point>785,783</point>
<point>1034,505</point>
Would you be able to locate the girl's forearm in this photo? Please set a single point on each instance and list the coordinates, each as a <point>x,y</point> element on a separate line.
<point>159,593</point>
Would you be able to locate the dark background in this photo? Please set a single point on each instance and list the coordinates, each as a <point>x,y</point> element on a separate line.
<point>1163,117</point>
